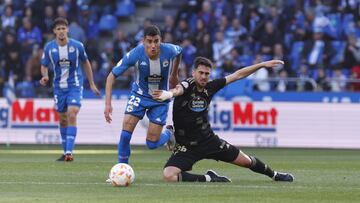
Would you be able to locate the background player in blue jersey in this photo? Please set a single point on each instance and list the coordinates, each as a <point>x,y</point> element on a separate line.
<point>156,65</point>
<point>66,56</point>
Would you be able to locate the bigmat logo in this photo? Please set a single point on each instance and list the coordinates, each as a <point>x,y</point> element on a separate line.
<point>242,117</point>
<point>28,115</point>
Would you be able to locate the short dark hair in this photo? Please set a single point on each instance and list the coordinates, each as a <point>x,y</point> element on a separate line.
<point>60,21</point>
<point>202,61</point>
<point>152,30</point>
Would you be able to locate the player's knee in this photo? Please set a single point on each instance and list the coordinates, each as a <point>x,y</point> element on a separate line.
<point>71,117</point>
<point>128,125</point>
<point>63,122</point>
<point>151,144</point>
<point>169,175</point>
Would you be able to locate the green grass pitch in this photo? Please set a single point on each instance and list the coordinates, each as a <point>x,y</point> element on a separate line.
<point>30,174</point>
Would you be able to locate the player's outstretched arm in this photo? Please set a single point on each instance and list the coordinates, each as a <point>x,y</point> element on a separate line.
<point>174,76</point>
<point>45,75</point>
<point>246,71</point>
<point>162,95</point>
<point>108,92</point>
<point>89,75</point>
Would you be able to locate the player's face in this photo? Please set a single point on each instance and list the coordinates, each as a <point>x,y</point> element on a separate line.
<point>201,75</point>
<point>61,32</point>
<point>152,46</point>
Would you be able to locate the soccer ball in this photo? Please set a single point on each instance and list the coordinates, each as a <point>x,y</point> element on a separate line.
<point>121,175</point>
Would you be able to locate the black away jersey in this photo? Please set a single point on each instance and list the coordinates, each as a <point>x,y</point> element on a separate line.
<point>190,111</point>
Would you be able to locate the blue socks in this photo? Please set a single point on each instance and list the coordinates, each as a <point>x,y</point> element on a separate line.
<point>124,147</point>
<point>164,137</point>
<point>63,138</point>
<point>70,138</point>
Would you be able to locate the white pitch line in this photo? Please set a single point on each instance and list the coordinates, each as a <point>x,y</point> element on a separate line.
<point>204,185</point>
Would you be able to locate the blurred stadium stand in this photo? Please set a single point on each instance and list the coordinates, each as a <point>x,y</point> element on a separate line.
<point>271,29</point>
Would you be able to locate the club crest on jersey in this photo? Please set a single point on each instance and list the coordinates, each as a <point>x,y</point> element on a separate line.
<point>71,49</point>
<point>197,104</point>
<point>54,50</point>
<point>165,63</point>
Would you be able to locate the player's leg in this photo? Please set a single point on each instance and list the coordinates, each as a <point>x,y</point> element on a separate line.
<point>124,148</point>
<point>174,174</point>
<point>220,149</point>
<point>134,111</point>
<point>157,116</point>
<point>155,138</point>
<point>182,161</point>
<point>258,166</point>
<point>73,102</point>
<point>60,106</point>
<point>71,131</point>
<point>63,128</point>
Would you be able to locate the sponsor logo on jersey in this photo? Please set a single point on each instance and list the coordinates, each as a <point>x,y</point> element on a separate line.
<point>198,104</point>
<point>64,63</point>
<point>154,78</point>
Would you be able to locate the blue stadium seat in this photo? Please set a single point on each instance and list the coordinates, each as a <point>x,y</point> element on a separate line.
<point>107,23</point>
<point>348,23</point>
<point>247,60</point>
<point>288,38</point>
<point>346,72</point>
<point>339,47</point>
<point>25,89</point>
<point>335,28</point>
<point>295,54</point>
<point>266,57</point>
<point>125,8</point>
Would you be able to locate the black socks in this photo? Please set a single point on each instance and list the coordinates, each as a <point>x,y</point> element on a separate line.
<point>188,177</point>
<point>259,167</point>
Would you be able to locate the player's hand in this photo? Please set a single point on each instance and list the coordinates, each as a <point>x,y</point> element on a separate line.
<point>95,89</point>
<point>272,63</point>
<point>156,94</point>
<point>108,113</point>
<point>162,95</point>
<point>44,80</point>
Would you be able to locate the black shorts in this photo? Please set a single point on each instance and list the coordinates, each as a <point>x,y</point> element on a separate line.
<point>214,148</point>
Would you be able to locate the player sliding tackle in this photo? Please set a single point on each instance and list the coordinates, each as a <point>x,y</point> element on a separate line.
<point>195,139</point>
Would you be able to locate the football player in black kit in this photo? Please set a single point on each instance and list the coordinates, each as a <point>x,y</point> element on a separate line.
<point>195,139</point>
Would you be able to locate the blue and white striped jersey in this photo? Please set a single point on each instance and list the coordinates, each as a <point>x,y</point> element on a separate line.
<point>150,74</point>
<point>66,62</point>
